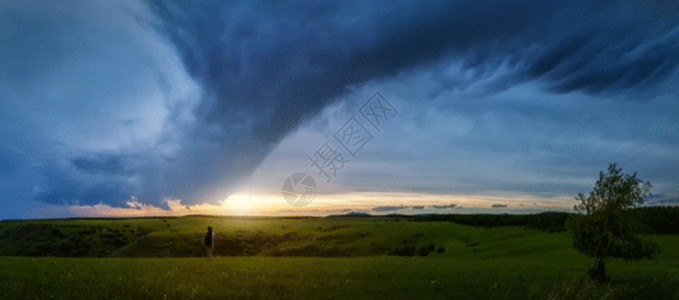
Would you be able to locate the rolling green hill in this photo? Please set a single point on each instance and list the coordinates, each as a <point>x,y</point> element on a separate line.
<point>325,237</point>
<point>323,258</point>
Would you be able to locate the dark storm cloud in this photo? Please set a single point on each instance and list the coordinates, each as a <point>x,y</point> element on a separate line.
<point>64,188</point>
<point>11,159</point>
<point>388,208</point>
<point>264,68</point>
<point>414,207</point>
<point>631,60</point>
<point>70,72</point>
<point>452,205</point>
<point>661,200</point>
<point>665,202</point>
<point>110,164</point>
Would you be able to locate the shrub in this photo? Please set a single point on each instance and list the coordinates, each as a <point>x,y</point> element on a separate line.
<point>405,250</point>
<point>424,251</point>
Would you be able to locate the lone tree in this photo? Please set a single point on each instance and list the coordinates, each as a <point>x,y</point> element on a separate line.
<point>605,226</point>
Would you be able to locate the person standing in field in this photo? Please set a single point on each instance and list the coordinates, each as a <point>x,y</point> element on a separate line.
<point>209,242</point>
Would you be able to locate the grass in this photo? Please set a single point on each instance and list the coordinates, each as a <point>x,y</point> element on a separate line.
<point>479,263</point>
<point>326,278</point>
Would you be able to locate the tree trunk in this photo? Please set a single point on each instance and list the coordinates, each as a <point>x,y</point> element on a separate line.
<point>598,272</point>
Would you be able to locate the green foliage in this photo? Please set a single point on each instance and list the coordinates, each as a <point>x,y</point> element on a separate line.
<point>547,221</point>
<point>423,251</point>
<point>605,226</point>
<point>657,219</point>
<point>661,220</point>
<point>408,249</point>
<point>405,250</point>
<point>598,236</point>
<point>613,192</point>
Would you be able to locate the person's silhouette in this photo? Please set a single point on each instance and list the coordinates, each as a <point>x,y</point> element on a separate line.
<point>209,242</point>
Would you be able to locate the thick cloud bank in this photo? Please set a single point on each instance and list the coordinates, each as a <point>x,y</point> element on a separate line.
<point>182,99</point>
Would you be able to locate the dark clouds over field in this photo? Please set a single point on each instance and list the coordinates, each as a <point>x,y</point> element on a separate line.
<point>107,103</point>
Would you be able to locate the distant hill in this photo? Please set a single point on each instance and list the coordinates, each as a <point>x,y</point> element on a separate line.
<point>351,214</point>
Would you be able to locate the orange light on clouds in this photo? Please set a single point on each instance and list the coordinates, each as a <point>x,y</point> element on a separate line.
<point>252,204</point>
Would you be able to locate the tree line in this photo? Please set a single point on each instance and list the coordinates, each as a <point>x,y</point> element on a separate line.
<point>658,219</point>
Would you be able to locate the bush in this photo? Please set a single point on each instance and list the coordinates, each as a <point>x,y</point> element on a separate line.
<point>440,250</point>
<point>424,251</point>
<point>405,250</point>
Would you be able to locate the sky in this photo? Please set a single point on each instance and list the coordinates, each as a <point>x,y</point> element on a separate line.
<point>136,108</point>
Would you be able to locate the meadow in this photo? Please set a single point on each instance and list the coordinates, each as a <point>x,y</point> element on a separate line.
<point>313,258</point>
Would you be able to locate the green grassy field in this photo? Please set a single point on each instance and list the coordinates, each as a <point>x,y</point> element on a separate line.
<point>298,258</point>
